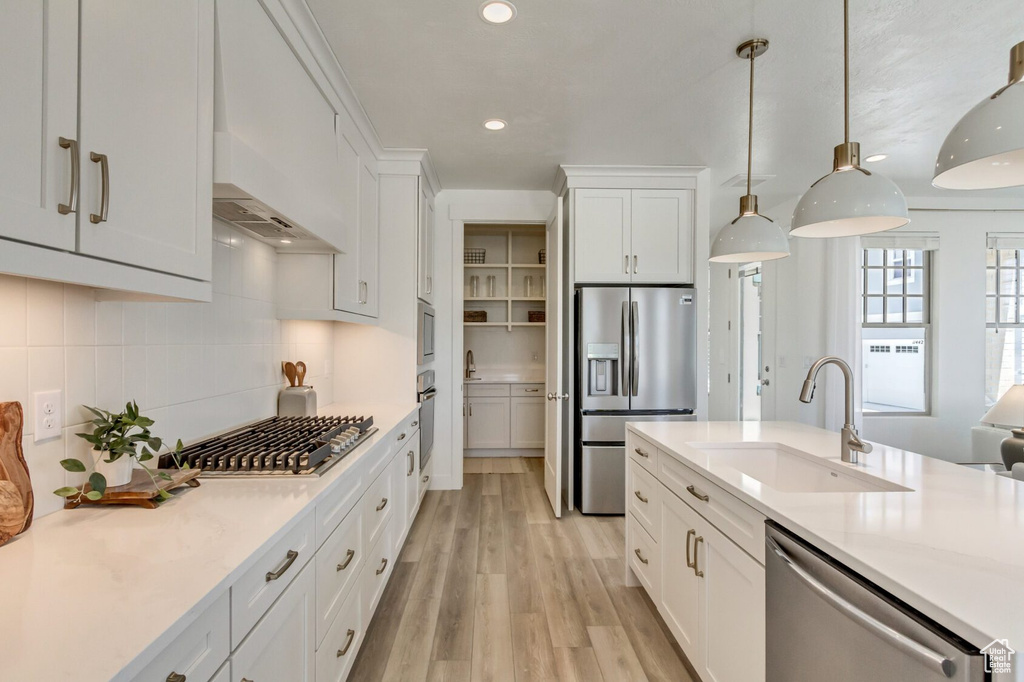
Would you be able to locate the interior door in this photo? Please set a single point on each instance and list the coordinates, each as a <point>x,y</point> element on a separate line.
<point>38,107</point>
<point>146,113</point>
<point>555,410</point>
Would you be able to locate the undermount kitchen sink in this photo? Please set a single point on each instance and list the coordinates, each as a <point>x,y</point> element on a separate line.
<point>788,470</point>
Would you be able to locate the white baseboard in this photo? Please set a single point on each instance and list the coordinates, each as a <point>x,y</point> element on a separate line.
<point>505,452</point>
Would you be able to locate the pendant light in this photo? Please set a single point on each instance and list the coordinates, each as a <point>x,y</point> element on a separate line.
<point>850,200</point>
<point>985,150</point>
<point>752,236</point>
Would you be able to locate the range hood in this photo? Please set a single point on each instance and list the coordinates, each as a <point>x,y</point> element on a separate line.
<point>275,164</point>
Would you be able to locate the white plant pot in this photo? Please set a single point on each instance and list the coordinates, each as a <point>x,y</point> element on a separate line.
<point>118,472</point>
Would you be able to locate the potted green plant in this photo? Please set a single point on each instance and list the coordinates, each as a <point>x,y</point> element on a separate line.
<point>118,439</point>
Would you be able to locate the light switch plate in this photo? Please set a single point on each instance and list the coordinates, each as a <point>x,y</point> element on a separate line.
<point>49,417</point>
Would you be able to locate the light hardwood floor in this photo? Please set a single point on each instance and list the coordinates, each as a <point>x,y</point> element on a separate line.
<point>490,586</point>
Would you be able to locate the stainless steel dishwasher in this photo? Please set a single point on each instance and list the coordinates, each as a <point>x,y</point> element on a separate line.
<point>825,622</point>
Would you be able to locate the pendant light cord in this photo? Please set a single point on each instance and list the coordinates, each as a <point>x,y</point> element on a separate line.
<point>750,120</point>
<point>846,71</point>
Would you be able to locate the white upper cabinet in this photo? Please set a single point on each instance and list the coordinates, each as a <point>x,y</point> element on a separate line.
<point>662,236</point>
<point>146,121</point>
<point>602,235</point>
<point>348,294</point>
<point>425,250</point>
<point>638,235</point>
<point>38,105</point>
<point>369,232</point>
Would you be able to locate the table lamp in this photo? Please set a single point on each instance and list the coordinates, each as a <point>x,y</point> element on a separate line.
<point>1009,411</point>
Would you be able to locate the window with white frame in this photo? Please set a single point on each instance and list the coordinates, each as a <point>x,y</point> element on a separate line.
<point>1004,319</point>
<point>895,330</point>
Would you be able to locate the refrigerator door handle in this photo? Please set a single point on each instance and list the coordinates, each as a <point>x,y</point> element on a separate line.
<point>626,349</point>
<point>634,354</point>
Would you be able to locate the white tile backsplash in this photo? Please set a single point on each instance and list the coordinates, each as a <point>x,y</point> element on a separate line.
<point>195,368</point>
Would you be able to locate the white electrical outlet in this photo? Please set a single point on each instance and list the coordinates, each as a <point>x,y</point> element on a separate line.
<point>49,420</point>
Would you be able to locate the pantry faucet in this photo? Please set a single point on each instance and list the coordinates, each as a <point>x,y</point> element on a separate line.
<point>852,444</point>
<point>470,366</point>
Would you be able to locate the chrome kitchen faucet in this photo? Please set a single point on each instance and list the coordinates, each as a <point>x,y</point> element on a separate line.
<point>852,444</point>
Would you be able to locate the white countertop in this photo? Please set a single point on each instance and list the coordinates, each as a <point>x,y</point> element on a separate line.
<point>95,593</point>
<point>505,379</point>
<point>953,548</point>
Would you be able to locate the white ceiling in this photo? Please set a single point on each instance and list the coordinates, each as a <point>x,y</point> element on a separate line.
<point>658,82</point>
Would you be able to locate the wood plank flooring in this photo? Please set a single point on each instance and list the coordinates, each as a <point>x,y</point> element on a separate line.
<point>490,586</point>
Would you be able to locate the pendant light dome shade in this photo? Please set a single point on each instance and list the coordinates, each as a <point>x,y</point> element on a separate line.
<point>850,200</point>
<point>985,150</point>
<point>847,202</point>
<point>749,238</point>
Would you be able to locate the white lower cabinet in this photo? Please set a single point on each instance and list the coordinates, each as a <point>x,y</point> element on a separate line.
<point>282,645</point>
<point>338,563</point>
<point>527,422</point>
<point>197,652</point>
<point>338,651</point>
<point>488,423</point>
<point>708,588</point>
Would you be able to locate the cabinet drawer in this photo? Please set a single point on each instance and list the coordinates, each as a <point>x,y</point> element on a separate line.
<point>376,571</point>
<point>197,652</point>
<point>643,451</point>
<point>424,486</point>
<point>487,390</point>
<point>643,557</point>
<point>338,563</point>
<point>376,506</point>
<point>337,504</point>
<point>643,497</point>
<point>339,648</point>
<point>741,523</point>
<point>256,590</point>
<point>527,390</point>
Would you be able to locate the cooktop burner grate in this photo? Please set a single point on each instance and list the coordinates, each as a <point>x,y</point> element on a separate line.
<point>278,446</point>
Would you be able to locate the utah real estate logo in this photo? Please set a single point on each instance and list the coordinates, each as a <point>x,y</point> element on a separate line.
<point>998,657</point>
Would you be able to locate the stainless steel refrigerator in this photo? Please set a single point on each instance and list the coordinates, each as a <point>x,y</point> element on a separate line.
<point>636,360</point>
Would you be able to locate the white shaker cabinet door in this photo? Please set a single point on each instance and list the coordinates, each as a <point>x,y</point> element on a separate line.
<point>283,644</point>
<point>662,236</point>
<point>680,584</point>
<point>527,422</point>
<point>732,609</point>
<point>602,235</point>
<point>38,107</point>
<point>146,118</point>
<point>369,247</point>
<point>348,292</point>
<point>488,423</point>
<point>425,248</point>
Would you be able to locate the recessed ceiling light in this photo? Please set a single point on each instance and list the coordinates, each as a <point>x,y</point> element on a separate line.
<point>497,11</point>
<point>876,157</point>
<point>286,241</point>
<point>495,124</point>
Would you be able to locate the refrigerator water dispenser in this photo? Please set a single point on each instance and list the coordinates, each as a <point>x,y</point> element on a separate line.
<point>603,368</point>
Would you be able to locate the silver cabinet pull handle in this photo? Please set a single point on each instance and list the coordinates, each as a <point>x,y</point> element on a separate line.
<point>414,425</point>
<point>402,437</point>
<point>642,453</point>
<point>898,639</point>
<point>383,503</point>
<point>426,478</point>
<point>383,565</point>
<point>412,463</point>
<point>349,636</point>
<point>288,561</point>
<point>641,557</point>
<point>627,264</point>
<point>636,259</point>
<point>349,555</point>
<point>101,159</point>
<point>430,283</point>
<point>689,562</point>
<point>532,390</point>
<point>176,677</point>
<point>699,495</point>
<point>246,679</point>
<point>639,496</point>
<point>696,571</point>
<point>72,205</point>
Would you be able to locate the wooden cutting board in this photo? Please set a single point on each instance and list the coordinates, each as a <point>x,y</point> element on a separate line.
<point>16,500</point>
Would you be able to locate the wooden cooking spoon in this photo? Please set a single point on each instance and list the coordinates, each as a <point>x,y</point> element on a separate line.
<point>290,372</point>
<point>300,371</point>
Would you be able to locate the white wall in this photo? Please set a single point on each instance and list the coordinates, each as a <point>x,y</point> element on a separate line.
<point>796,315</point>
<point>453,208</point>
<point>195,368</point>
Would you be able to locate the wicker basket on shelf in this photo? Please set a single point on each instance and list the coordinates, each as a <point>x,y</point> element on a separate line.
<point>535,316</point>
<point>474,316</point>
<point>474,256</point>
